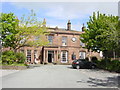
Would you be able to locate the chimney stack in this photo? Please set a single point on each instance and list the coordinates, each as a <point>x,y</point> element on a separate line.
<point>69,25</point>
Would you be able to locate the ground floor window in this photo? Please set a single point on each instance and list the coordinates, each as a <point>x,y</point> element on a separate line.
<point>35,54</point>
<point>82,55</point>
<point>22,51</point>
<point>28,55</point>
<point>64,56</point>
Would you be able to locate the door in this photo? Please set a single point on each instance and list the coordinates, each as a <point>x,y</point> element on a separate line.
<point>50,56</point>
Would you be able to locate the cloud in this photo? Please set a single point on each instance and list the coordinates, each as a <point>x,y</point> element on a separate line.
<point>57,13</point>
<point>70,9</point>
<point>60,0</point>
<point>119,9</point>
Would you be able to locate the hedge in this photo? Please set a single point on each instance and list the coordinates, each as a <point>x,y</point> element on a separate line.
<point>108,64</point>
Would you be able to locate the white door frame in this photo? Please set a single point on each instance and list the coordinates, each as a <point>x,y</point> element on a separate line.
<point>66,56</point>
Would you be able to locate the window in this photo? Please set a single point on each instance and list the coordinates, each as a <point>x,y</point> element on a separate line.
<point>35,54</point>
<point>23,39</point>
<point>64,41</point>
<point>64,56</point>
<point>37,37</point>
<point>22,51</point>
<point>73,56</point>
<point>28,55</point>
<point>82,55</point>
<point>50,39</point>
<point>81,43</point>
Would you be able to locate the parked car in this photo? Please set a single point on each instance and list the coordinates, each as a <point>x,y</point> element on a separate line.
<point>83,63</point>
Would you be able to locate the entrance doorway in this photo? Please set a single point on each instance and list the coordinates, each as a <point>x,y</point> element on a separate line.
<point>50,56</point>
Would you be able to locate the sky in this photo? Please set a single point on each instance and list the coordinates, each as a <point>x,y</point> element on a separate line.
<point>58,13</point>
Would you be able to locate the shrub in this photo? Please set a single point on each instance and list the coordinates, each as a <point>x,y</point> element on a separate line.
<point>115,66</point>
<point>87,58</point>
<point>104,63</point>
<point>8,57</point>
<point>94,59</point>
<point>110,65</point>
<point>20,57</point>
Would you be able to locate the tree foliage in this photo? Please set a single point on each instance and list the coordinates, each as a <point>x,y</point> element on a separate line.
<point>31,32</point>
<point>8,25</point>
<point>103,33</point>
<point>27,31</point>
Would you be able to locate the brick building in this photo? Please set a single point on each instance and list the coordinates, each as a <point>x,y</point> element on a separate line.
<point>64,46</point>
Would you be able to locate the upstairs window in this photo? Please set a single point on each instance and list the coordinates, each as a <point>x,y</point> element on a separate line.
<point>50,39</point>
<point>64,41</point>
<point>37,37</point>
<point>81,43</point>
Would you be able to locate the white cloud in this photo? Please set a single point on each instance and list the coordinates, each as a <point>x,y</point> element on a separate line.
<point>58,11</point>
<point>71,10</point>
<point>60,0</point>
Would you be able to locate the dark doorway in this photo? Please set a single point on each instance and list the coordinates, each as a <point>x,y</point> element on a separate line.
<point>50,56</point>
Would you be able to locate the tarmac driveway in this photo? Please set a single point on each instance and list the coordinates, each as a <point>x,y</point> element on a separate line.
<point>60,76</point>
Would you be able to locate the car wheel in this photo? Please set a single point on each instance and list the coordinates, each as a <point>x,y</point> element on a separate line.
<point>77,67</point>
<point>93,67</point>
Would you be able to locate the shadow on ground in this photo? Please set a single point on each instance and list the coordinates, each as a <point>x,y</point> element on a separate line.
<point>70,67</point>
<point>108,82</point>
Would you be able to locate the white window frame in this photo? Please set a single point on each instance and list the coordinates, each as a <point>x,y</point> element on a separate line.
<point>81,43</point>
<point>50,39</point>
<point>66,57</point>
<point>64,40</point>
<point>29,55</point>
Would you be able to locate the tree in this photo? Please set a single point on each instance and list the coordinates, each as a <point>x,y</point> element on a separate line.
<point>31,32</point>
<point>27,31</point>
<point>8,25</point>
<point>102,33</point>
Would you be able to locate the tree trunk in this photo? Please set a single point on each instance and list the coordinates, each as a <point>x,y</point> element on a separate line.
<point>89,55</point>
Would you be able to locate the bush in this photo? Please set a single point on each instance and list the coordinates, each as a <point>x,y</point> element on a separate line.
<point>110,65</point>
<point>10,57</point>
<point>115,66</point>
<point>94,59</point>
<point>20,57</point>
<point>104,63</point>
<point>87,58</point>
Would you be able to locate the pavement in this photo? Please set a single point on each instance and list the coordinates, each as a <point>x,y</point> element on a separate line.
<point>58,76</point>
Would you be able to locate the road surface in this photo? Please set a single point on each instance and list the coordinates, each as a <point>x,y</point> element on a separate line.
<point>59,76</point>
